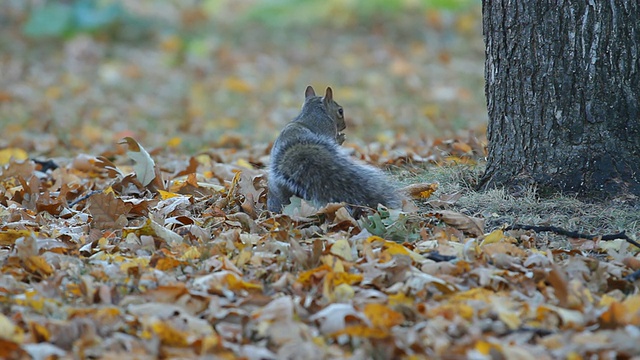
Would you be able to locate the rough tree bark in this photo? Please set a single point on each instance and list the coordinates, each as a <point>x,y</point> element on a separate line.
<point>563,94</point>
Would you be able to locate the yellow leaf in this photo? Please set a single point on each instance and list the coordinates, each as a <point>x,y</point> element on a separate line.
<point>167,195</point>
<point>305,277</point>
<point>10,236</point>
<point>573,355</point>
<point>12,153</point>
<point>144,229</point>
<point>168,263</point>
<point>450,310</point>
<point>203,159</point>
<point>333,262</point>
<point>382,316</point>
<point>466,23</point>
<point>31,300</point>
<point>632,304</point>
<point>169,335</point>
<point>40,331</point>
<point>511,319</point>
<point>343,249</point>
<point>337,278</point>
<point>174,142</point>
<point>244,163</point>
<point>393,248</point>
<point>494,237</point>
<point>191,254</point>
<point>400,299</point>
<point>171,44</point>
<point>483,347</point>
<point>53,92</point>
<point>209,343</point>
<point>362,331</point>
<point>432,111</point>
<point>38,265</point>
<point>135,262</point>
<point>342,293</point>
<point>337,286</point>
<point>607,300</point>
<point>235,283</point>
<point>8,330</point>
<point>236,84</point>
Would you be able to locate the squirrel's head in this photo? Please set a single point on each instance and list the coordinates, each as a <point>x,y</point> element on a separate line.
<point>333,109</point>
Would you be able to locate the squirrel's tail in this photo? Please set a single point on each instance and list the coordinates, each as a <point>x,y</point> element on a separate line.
<point>323,174</point>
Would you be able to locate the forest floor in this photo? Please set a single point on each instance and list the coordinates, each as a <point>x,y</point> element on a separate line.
<point>103,257</point>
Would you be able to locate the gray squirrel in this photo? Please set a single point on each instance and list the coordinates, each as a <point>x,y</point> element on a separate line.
<point>307,161</point>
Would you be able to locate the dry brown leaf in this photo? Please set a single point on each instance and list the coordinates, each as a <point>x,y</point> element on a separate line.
<point>420,191</point>
<point>467,224</point>
<point>108,212</point>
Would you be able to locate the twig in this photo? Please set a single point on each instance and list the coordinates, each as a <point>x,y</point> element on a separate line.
<point>437,257</point>
<point>537,331</point>
<point>573,234</point>
<point>85,197</point>
<point>633,276</point>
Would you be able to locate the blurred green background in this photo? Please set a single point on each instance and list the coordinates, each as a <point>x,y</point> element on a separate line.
<point>79,75</point>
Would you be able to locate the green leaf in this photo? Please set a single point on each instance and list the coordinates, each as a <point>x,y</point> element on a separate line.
<point>373,224</point>
<point>50,20</point>
<point>91,16</point>
<point>294,207</point>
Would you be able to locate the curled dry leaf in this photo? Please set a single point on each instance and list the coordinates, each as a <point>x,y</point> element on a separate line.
<point>467,224</point>
<point>144,165</point>
<point>420,191</point>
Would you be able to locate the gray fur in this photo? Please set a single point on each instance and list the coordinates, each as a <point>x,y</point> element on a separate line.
<point>307,161</point>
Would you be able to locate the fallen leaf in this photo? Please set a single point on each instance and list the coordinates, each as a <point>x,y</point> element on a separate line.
<point>144,165</point>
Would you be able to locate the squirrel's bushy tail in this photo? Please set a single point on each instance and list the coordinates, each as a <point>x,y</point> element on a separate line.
<point>321,173</point>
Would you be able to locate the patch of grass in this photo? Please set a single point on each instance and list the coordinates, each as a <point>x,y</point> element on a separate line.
<point>287,13</point>
<point>498,207</point>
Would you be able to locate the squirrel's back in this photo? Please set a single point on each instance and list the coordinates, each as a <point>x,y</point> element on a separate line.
<point>307,161</point>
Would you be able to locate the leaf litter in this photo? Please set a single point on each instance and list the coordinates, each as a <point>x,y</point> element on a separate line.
<point>198,268</point>
<point>155,255</point>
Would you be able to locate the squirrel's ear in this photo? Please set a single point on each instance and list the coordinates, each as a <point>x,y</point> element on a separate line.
<point>328,95</point>
<point>309,92</point>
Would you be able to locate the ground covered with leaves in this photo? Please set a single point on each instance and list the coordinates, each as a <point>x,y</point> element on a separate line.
<point>132,209</point>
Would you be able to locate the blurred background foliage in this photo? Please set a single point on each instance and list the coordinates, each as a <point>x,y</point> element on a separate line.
<point>80,74</point>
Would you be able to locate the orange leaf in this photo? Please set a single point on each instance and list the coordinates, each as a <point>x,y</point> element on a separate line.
<point>12,350</point>
<point>362,331</point>
<point>306,277</point>
<point>235,283</point>
<point>462,147</point>
<point>420,191</point>
<point>168,263</point>
<point>382,316</point>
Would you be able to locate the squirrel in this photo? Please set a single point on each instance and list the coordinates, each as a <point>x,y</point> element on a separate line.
<point>307,161</point>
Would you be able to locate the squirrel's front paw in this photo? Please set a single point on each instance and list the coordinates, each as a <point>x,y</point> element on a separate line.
<point>341,138</point>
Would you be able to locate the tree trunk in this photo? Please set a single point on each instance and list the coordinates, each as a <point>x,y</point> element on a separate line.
<point>563,93</point>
